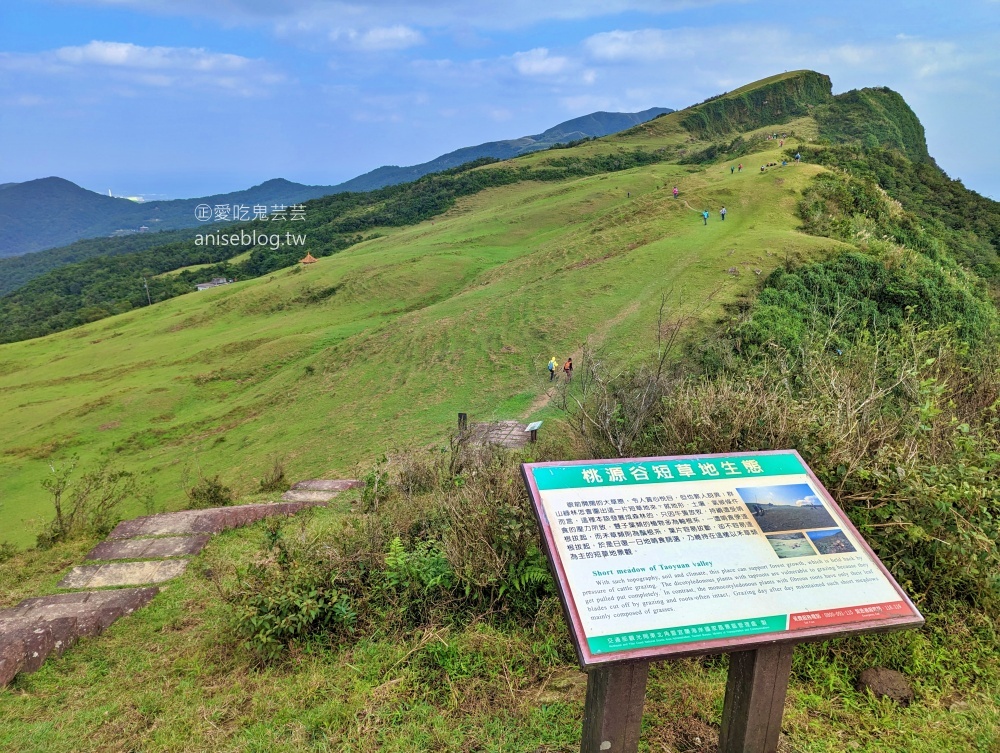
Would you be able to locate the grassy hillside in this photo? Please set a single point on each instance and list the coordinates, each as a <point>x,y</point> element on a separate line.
<point>772,101</point>
<point>330,365</point>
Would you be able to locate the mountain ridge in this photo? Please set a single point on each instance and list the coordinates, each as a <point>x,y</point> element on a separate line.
<point>600,124</point>
<point>877,118</point>
<point>26,209</point>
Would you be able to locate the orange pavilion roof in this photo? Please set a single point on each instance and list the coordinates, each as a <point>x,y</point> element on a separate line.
<point>309,259</point>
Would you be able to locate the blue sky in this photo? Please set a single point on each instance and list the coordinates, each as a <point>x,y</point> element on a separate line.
<point>179,98</point>
<point>783,494</point>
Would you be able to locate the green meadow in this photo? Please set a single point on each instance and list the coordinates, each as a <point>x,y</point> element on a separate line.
<point>380,346</point>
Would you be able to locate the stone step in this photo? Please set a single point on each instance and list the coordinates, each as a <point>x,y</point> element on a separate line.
<point>327,484</point>
<point>39,627</point>
<point>308,495</point>
<point>123,574</point>
<point>211,520</point>
<point>133,549</point>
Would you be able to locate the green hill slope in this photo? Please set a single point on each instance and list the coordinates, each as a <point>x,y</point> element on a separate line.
<point>383,343</point>
<point>329,365</point>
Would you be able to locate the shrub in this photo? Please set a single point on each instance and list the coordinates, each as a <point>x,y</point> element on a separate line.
<point>92,504</point>
<point>7,551</point>
<point>283,599</point>
<point>274,480</point>
<point>901,427</point>
<point>434,548</point>
<point>209,492</point>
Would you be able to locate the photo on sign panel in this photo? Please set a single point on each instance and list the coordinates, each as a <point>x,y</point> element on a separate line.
<point>786,507</point>
<point>831,542</point>
<point>790,545</point>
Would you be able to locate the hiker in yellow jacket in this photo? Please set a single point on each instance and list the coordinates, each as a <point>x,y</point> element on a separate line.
<point>553,364</point>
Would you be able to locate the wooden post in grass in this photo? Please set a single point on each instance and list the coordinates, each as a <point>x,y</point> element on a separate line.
<point>755,698</point>
<point>463,421</point>
<point>751,714</point>
<point>613,712</point>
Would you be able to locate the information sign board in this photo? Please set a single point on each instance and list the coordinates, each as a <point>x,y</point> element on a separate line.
<point>665,557</point>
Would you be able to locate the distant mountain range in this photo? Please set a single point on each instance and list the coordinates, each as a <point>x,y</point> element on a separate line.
<point>51,212</point>
<point>586,126</point>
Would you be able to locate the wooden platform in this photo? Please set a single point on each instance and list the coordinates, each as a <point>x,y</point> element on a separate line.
<point>510,434</point>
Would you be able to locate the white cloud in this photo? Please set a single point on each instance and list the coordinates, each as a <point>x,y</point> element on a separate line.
<point>499,113</point>
<point>127,55</point>
<point>153,67</point>
<point>704,45</point>
<point>645,44</point>
<point>538,62</point>
<point>379,38</point>
<point>396,37</point>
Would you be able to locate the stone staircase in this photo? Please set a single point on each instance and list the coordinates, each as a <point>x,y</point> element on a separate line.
<point>157,548</point>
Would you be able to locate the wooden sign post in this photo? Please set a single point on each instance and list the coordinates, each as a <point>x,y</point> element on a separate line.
<point>532,429</point>
<point>660,558</point>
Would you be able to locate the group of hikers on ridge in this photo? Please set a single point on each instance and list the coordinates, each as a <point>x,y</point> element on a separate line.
<point>739,168</point>
<point>722,215</point>
<point>704,217</point>
<point>567,368</point>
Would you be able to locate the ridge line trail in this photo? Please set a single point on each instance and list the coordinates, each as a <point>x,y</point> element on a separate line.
<point>595,339</point>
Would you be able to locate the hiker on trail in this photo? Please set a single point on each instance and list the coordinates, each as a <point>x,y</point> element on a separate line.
<point>722,212</point>
<point>732,169</point>
<point>762,168</point>
<point>798,157</point>
<point>740,168</point>
<point>568,369</point>
<point>676,192</point>
<point>552,368</point>
<point>704,216</point>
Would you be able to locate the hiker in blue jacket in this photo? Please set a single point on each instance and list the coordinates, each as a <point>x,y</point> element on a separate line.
<point>704,216</point>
